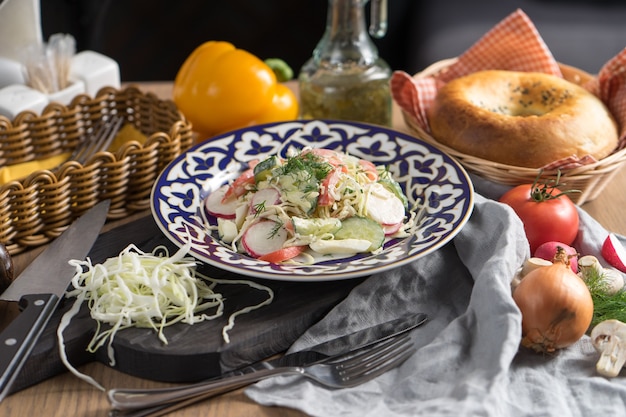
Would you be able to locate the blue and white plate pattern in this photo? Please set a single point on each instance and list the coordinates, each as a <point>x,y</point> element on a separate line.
<point>426,174</point>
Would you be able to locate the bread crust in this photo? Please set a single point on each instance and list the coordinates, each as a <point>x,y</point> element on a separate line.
<point>524,119</point>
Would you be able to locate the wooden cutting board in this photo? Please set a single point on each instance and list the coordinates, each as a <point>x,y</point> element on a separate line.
<point>193,352</point>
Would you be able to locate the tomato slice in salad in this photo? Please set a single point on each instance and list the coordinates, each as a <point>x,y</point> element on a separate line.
<point>283,254</point>
<point>240,186</point>
<point>326,199</point>
<point>316,184</point>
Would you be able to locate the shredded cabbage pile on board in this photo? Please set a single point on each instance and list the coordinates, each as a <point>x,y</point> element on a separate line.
<point>150,290</point>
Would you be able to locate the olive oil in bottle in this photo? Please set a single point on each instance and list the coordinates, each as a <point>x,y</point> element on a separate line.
<point>345,79</point>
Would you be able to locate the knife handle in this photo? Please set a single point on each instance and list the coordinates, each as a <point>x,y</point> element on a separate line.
<point>18,339</point>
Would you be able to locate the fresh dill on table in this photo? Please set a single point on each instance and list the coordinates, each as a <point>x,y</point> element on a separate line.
<point>605,305</point>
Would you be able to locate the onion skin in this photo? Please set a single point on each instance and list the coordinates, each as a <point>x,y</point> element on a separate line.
<point>556,307</point>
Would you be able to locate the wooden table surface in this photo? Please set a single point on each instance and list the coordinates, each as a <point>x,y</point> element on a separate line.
<point>66,395</point>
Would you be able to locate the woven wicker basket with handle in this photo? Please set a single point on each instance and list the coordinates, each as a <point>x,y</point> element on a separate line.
<point>38,208</point>
<point>589,179</point>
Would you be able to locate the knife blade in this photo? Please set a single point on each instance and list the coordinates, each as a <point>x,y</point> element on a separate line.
<point>359,339</point>
<point>40,288</point>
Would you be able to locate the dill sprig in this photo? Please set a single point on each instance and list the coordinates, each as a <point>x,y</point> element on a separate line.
<point>278,225</point>
<point>308,162</point>
<point>605,306</point>
<point>259,208</point>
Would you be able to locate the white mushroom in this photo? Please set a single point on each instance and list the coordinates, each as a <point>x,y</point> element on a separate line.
<point>533,263</point>
<point>530,264</point>
<point>587,264</point>
<point>613,279</point>
<point>609,338</point>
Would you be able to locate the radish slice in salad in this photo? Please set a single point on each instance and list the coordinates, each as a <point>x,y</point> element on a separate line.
<point>263,237</point>
<point>216,206</point>
<point>263,199</point>
<point>322,201</point>
<point>390,229</point>
<point>383,206</point>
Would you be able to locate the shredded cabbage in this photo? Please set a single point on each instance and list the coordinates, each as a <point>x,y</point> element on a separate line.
<point>150,290</point>
<point>345,182</point>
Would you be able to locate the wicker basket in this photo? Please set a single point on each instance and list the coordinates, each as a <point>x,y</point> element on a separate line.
<point>36,209</point>
<point>589,179</point>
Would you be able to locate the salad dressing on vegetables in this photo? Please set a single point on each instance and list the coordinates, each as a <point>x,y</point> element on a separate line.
<point>312,205</point>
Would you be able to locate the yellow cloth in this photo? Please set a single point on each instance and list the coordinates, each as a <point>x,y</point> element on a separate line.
<point>126,134</point>
<point>15,172</point>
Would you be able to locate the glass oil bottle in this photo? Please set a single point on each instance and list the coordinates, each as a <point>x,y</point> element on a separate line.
<point>345,79</point>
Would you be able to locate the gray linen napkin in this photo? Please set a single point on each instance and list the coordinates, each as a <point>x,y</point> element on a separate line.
<point>468,361</point>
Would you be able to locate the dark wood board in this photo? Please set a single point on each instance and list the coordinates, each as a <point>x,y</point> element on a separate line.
<point>193,352</point>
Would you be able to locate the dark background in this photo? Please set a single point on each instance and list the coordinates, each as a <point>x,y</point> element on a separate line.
<point>150,39</point>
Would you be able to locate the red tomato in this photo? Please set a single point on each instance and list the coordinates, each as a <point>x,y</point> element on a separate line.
<point>239,186</point>
<point>548,214</point>
<point>331,180</point>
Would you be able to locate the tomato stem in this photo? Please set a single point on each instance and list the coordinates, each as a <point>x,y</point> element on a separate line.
<point>543,191</point>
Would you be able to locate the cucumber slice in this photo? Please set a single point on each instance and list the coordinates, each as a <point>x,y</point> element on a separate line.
<point>362,228</point>
<point>263,169</point>
<point>315,226</point>
<point>395,188</point>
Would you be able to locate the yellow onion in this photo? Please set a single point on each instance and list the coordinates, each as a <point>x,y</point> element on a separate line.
<point>556,306</point>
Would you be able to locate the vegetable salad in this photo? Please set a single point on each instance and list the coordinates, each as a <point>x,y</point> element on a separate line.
<point>313,204</point>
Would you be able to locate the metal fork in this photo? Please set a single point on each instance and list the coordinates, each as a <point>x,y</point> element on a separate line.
<point>101,140</point>
<point>341,371</point>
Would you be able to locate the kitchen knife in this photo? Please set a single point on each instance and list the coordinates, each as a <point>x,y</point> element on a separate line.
<point>39,289</point>
<point>358,339</point>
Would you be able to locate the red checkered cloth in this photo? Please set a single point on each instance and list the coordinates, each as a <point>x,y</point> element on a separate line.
<point>514,44</point>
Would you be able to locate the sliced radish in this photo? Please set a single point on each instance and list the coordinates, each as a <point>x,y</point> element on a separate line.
<point>215,206</point>
<point>390,229</point>
<point>384,207</point>
<point>263,237</point>
<point>264,198</point>
<point>614,253</point>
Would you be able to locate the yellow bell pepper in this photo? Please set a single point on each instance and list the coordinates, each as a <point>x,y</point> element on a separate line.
<point>220,88</point>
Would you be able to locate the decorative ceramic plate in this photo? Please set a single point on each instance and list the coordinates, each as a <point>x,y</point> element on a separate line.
<point>427,176</point>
